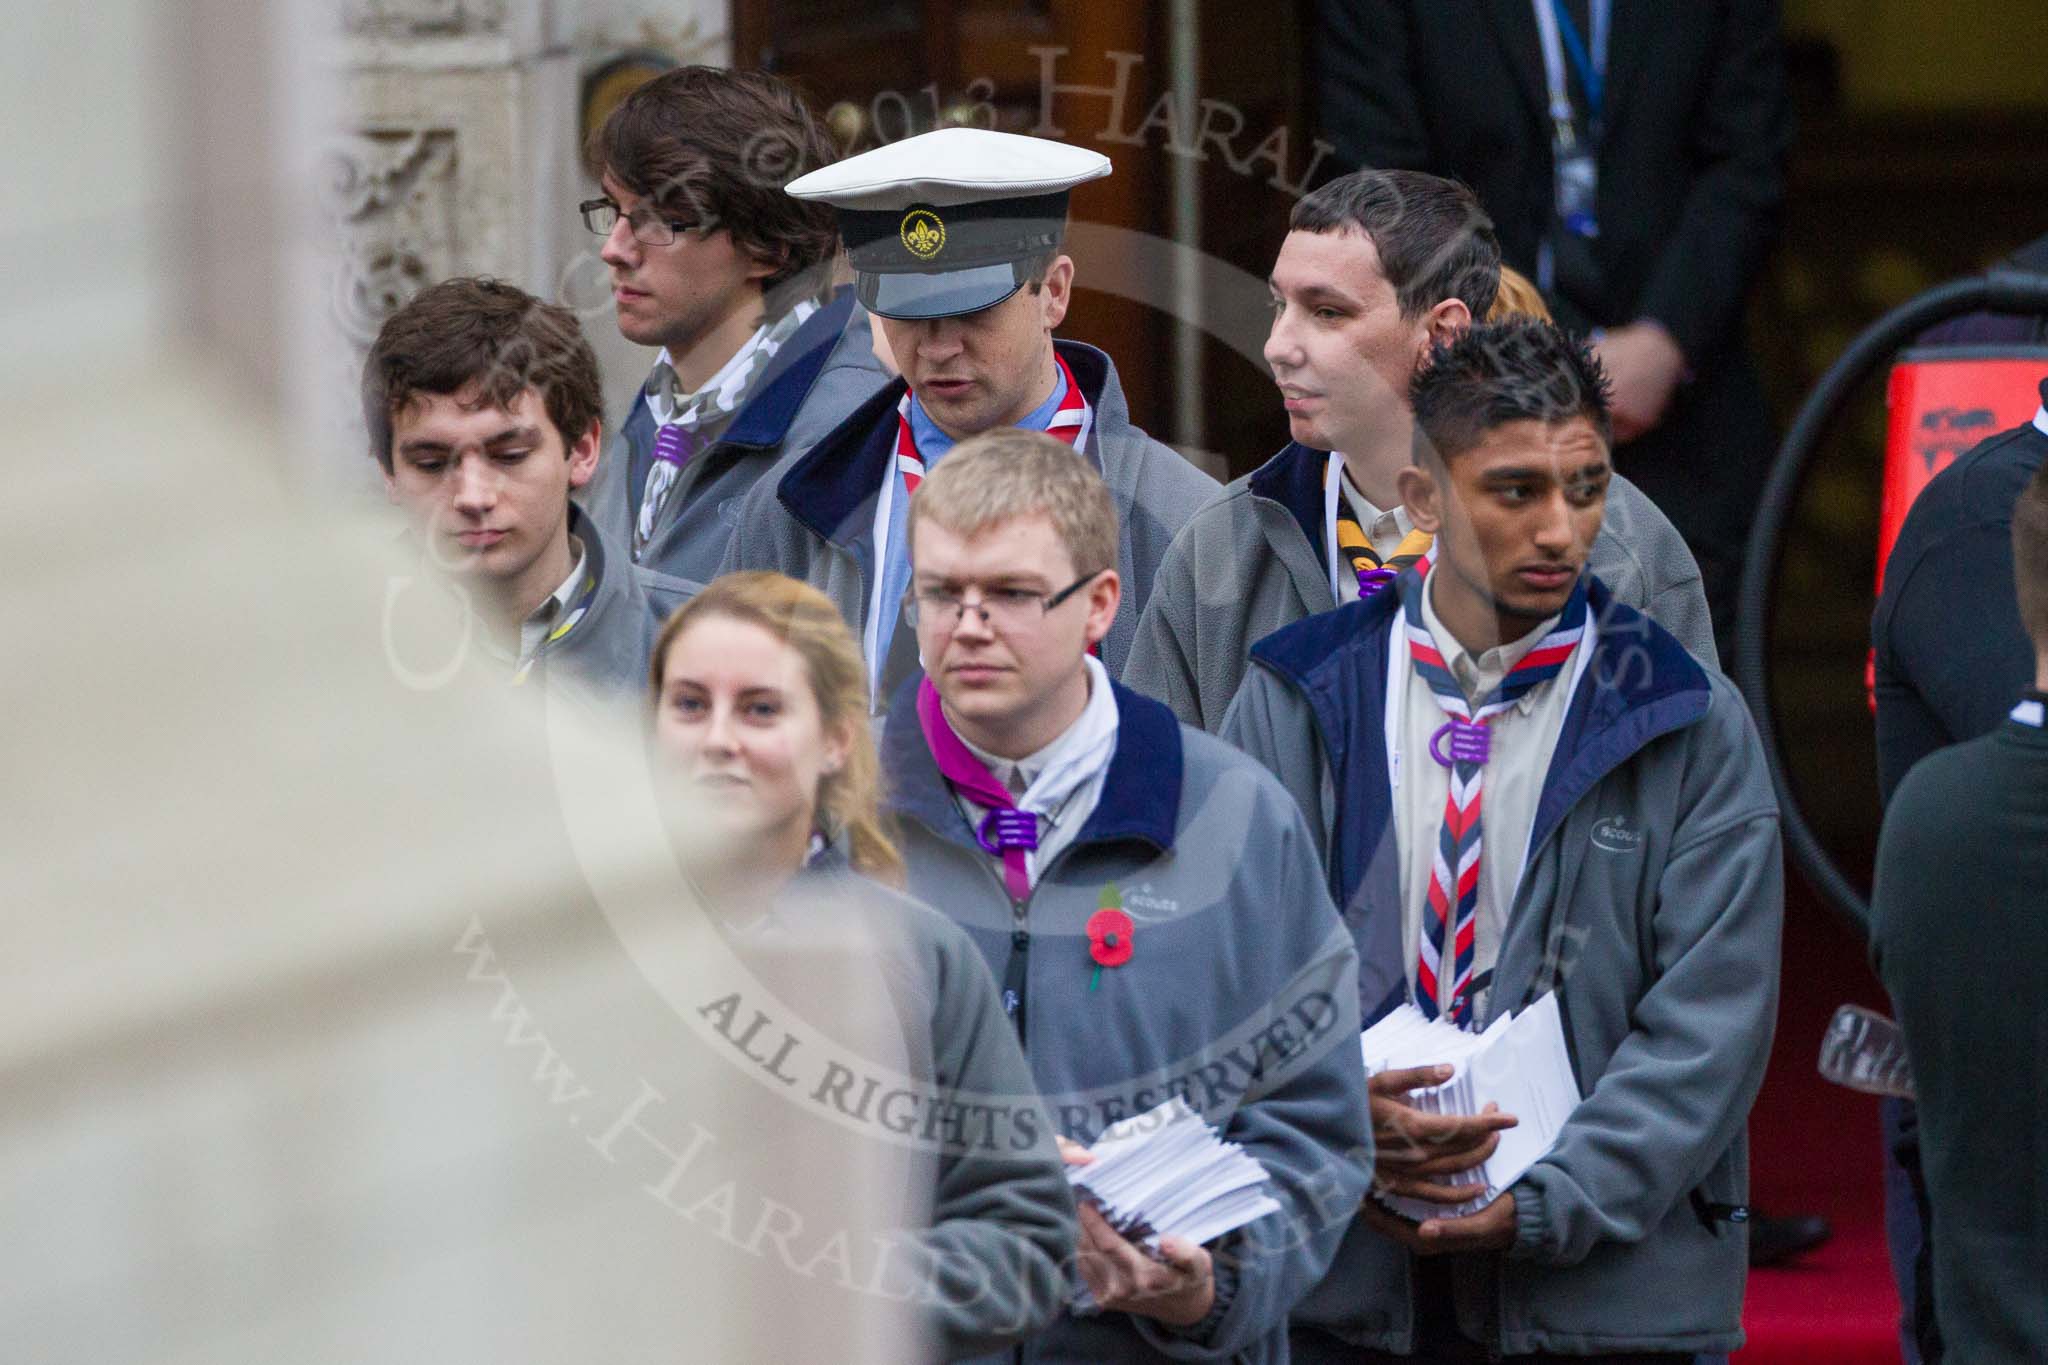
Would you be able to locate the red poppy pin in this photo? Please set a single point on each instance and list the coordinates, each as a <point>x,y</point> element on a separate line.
<point>1109,934</point>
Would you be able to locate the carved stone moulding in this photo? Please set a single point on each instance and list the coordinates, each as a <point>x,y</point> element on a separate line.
<point>421,18</point>
<point>389,196</point>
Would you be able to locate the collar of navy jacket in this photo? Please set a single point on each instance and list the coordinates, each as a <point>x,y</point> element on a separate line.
<point>844,471</point>
<point>763,419</point>
<point>1140,799</point>
<point>1294,479</point>
<point>1639,684</point>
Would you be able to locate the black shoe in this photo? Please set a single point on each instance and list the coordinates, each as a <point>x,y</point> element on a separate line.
<point>1774,1241</point>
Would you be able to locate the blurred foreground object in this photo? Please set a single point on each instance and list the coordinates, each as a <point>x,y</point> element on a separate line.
<point>350,1008</point>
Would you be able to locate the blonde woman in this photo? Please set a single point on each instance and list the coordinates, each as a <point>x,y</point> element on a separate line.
<point>760,710</point>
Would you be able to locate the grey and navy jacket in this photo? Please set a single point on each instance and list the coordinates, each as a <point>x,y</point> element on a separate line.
<point>1253,560</point>
<point>821,375</point>
<point>813,518</point>
<point>607,652</point>
<point>1651,902</point>
<point>1240,996</point>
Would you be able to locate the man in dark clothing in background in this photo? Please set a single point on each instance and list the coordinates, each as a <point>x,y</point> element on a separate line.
<point>1950,647</point>
<point>1949,650</point>
<point>1637,179</point>
<point>1967,829</point>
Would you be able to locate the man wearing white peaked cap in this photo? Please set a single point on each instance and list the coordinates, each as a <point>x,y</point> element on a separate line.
<point>955,240</point>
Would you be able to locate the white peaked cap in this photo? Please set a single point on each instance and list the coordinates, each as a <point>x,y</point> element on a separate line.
<point>951,166</point>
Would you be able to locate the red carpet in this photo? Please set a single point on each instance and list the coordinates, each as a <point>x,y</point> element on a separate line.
<point>1815,1149</point>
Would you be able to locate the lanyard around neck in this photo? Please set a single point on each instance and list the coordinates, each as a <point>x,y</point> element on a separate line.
<point>1592,67</point>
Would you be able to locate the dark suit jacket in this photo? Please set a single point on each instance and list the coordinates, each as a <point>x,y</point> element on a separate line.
<point>1691,182</point>
<point>1691,163</point>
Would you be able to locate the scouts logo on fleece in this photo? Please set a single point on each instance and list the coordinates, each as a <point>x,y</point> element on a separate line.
<point>923,234</point>
<point>1451,926</point>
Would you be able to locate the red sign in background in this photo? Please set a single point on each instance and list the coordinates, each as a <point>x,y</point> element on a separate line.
<point>1942,403</point>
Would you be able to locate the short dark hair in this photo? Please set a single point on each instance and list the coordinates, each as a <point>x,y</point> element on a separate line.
<point>1433,239</point>
<point>1523,369</point>
<point>485,331</point>
<point>2030,556</point>
<point>715,147</point>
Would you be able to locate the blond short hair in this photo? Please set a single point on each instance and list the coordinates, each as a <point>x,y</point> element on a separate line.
<point>1517,297</point>
<point>1010,472</point>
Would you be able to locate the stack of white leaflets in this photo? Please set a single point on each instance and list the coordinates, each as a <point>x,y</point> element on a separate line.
<point>1165,1173</point>
<point>1518,1063</point>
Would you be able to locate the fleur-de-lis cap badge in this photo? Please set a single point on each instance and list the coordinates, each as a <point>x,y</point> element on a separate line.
<point>923,233</point>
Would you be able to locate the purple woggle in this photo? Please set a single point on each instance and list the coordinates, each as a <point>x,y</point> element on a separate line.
<point>1013,829</point>
<point>1371,581</point>
<point>675,444</point>
<point>1470,741</point>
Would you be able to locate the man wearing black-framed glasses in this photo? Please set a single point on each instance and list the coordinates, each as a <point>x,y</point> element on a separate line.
<point>1147,896</point>
<point>730,277</point>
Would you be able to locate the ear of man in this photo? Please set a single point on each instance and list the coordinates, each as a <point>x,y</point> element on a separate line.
<point>1055,291</point>
<point>1444,323</point>
<point>583,455</point>
<point>1423,496</point>
<point>1105,594</point>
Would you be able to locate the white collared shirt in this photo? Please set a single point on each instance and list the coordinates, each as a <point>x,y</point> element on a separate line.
<point>1062,782</point>
<point>1523,739</point>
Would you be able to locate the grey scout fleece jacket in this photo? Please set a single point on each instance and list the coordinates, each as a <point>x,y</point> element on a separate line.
<point>813,516</point>
<point>1252,560</point>
<point>824,372</point>
<point>1651,902</point>
<point>606,654</point>
<point>1240,996</point>
<point>989,1251</point>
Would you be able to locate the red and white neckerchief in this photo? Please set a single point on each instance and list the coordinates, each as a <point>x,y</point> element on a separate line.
<point>1069,423</point>
<point>1462,744</point>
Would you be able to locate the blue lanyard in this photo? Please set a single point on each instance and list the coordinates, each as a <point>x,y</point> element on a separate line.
<point>1561,37</point>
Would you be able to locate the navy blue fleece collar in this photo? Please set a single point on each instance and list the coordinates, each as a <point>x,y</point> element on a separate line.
<point>1640,683</point>
<point>1140,793</point>
<point>1294,479</point>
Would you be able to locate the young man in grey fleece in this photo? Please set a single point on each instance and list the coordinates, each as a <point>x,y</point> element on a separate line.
<point>482,405</point>
<point>1375,268</point>
<point>1604,802</point>
<point>1148,898</point>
